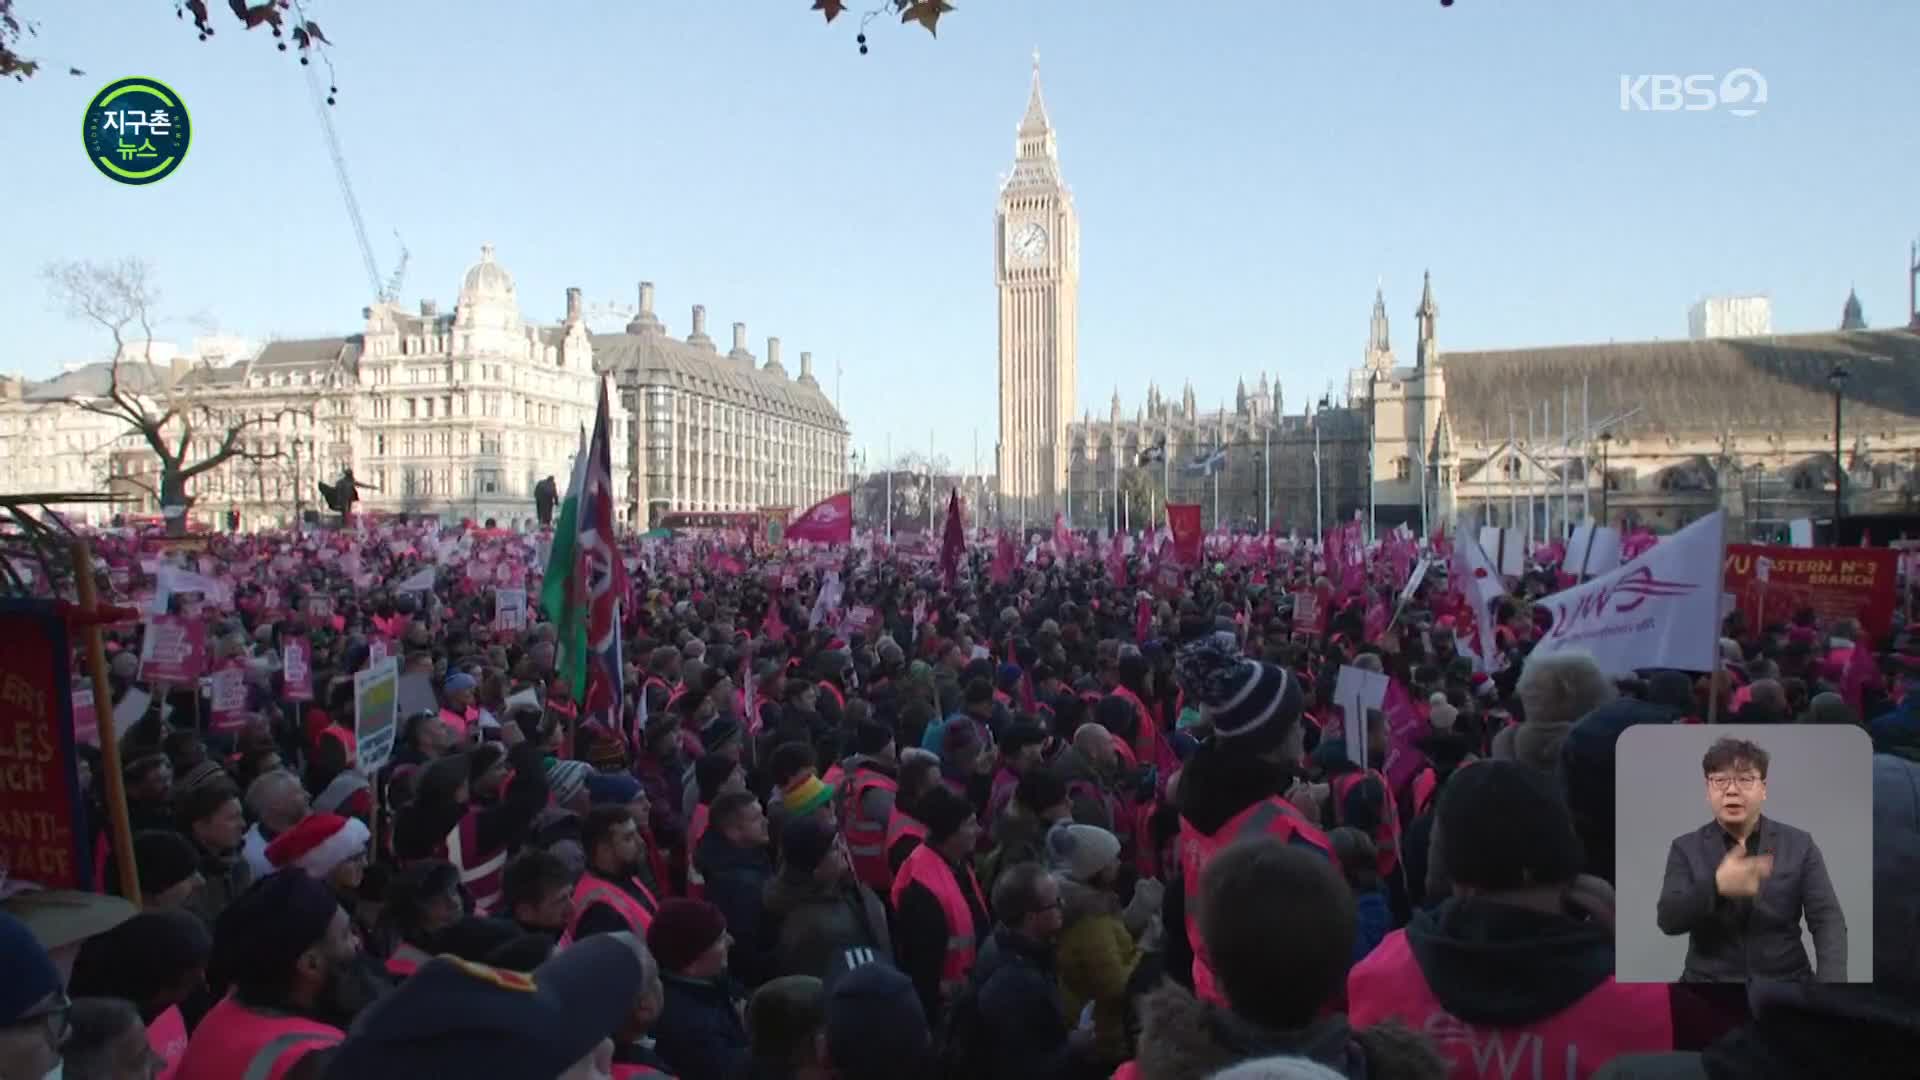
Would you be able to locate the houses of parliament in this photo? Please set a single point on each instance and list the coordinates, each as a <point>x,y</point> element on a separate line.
<point>1656,433</point>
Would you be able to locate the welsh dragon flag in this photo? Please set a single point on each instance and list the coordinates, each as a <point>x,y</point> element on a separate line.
<point>585,579</point>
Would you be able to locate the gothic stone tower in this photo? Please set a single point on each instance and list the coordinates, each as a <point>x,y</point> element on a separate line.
<point>1037,267</point>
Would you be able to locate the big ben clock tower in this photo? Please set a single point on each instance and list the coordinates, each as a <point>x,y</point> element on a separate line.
<point>1037,267</point>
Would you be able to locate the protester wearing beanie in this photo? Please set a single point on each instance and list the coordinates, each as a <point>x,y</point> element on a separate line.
<point>1555,691</point>
<point>1237,785</point>
<point>1097,953</point>
<point>873,782</point>
<point>940,913</point>
<point>699,1032</point>
<point>876,1027</point>
<point>820,910</point>
<point>169,869</point>
<point>1279,920</point>
<point>714,775</point>
<point>283,948</point>
<point>1525,947</point>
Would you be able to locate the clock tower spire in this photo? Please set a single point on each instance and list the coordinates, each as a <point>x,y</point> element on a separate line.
<point>1037,270</point>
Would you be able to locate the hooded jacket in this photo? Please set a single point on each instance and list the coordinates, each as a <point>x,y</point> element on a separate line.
<point>1187,1039</point>
<point>818,924</point>
<point>736,883</point>
<point>1096,958</point>
<point>1498,965</point>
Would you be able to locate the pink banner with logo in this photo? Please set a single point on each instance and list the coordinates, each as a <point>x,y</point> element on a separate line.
<point>173,649</point>
<point>86,723</point>
<point>296,669</point>
<point>227,689</point>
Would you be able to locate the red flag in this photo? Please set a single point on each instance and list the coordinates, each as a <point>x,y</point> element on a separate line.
<point>1004,561</point>
<point>955,543</point>
<point>1860,673</point>
<point>1062,541</point>
<point>1188,536</point>
<point>1117,560</point>
<point>829,521</point>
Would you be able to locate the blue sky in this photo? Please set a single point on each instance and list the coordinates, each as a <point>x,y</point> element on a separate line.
<point>1244,171</point>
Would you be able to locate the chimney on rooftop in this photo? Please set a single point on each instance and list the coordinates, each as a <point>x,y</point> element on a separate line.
<point>429,308</point>
<point>806,365</point>
<point>773,356</point>
<point>573,305</point>
<point>739,337</point>
<point>646,298</point>
<point>644,321</point>
<point>699,334</point>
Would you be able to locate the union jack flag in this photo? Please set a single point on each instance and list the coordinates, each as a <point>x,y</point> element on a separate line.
<point>600,576</point>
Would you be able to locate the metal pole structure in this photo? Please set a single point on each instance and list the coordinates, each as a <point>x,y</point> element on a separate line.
<point>1319,522</point>
<point>1216,499</point>
<point>930,493</point>
<point>1116,477</point>
<point>1372,435</point>
<point>1420,455</point>
<point>1266,480</point>
<point>889,487</point>
<point>1019,470</point>
<point>1166,463</point>
<point>1513,449</point>
<point>1566,462</point>
<point>1126,510</point>
<point>1606,437</point>
<point>1586,451</point>
<point>1838,378</point>
<point>1526,534</point>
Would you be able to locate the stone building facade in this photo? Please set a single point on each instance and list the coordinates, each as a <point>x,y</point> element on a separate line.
<point>449,414</point>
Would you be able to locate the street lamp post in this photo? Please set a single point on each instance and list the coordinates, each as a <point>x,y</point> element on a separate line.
<point>1606,440</point>
<point>1837,378</point>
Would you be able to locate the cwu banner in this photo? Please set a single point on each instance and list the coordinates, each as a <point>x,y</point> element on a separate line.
<point>1662,610</point>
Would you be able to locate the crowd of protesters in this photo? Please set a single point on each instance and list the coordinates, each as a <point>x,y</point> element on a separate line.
<point>1083,819</point>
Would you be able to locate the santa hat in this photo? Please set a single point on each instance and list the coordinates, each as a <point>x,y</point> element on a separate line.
<point>319,844</point>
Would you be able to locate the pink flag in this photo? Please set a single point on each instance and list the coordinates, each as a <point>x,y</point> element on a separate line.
<point>1406,723</point>
<point>1860,674</point>
<point>829,521</point>
<point>228,688</point>
<point>173,649</point>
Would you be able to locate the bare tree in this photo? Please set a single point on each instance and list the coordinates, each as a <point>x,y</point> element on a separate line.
<point>164,407</point>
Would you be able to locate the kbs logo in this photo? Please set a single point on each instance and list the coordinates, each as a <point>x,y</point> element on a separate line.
<point>1621,598</point>
<point>1741,92</point>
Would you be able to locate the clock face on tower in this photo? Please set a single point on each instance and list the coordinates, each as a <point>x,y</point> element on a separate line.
<point>1030,242</point>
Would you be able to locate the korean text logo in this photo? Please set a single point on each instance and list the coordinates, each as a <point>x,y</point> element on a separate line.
<point>136,131</point>
<point>1740,92</point>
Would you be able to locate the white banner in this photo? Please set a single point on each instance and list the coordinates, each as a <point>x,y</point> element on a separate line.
<point>419,582</point>
<point>1593,550</point>
<point>1658,611</point>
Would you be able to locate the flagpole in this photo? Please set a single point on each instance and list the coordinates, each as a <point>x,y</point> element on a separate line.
<point>1566,474</point>
<point>889,487</point>
<point>1116,475</point>
<point>930,492</point>
<point>1216,499</point>
<point>1127,509</point>
<point>1513,498</point>
<point>1319,524</point>
<point>1586,453</point>
<point>1266,480</point>
<point>1527,535</point>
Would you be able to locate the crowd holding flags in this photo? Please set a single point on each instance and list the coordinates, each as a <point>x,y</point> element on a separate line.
<point>586,578</point>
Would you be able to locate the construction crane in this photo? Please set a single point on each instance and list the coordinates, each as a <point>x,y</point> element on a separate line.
<point>387,290</point>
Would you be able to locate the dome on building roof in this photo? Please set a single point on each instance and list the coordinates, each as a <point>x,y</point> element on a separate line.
<point>487,277</point>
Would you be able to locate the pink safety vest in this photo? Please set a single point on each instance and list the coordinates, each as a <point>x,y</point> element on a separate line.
<point>867,839</point>
<point>594,889</point>
<point>696,828</point>
<point>455,721</point>
<point>1613,1019</point>
<point>480,874</point>
<point>406,960</point>
<point>168,1037</point>
<point>1273,816</point>
<point>926,868</point>
<point>235,1042</point>
<point>1386,838</point>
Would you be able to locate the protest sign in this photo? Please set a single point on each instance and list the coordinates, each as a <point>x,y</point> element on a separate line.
<point>376,699</point>
<point>227,698</point>
<point>40,799</point>
<point>1306,611</point>
<point>509,609</point>
<point>416,695</point>
<point>1356,691</point>
<point>1771,583</point>
<point>296,670</point>
<point>173,649</point>
<point>86,723</point>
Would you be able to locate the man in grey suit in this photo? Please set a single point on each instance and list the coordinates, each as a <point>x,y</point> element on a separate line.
<point>1739,885</point>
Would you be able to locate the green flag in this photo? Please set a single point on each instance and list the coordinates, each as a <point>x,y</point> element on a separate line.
<point>559,596</point>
